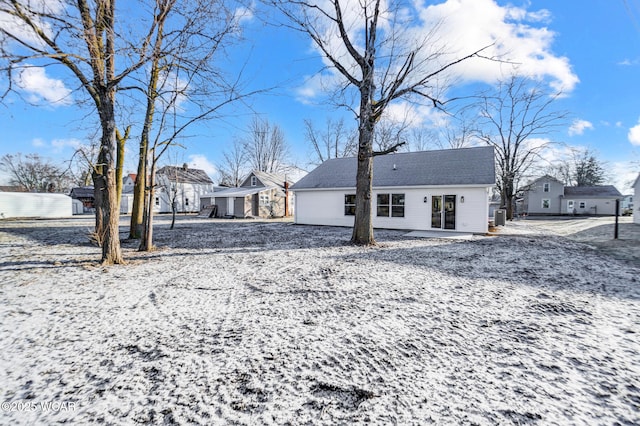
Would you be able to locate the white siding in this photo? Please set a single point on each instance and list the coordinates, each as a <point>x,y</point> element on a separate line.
<point>326,207</point>
<point>16,204</point>
<point>322,208</point>
<point>190,192</point>
<point>592,206</point>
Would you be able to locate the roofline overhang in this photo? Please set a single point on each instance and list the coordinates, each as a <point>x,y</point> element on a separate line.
<point>352,188</point>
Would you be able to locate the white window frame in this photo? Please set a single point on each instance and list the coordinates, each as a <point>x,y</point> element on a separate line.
<point>254,181</point>
<point>546,187</point>
<point>349,207</point>
<point>546,203</point>
<point>265,199</point>
<point>582,205</point>
<point>392,210</point>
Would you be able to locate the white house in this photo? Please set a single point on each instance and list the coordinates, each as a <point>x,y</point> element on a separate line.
<point>445,190</point>
<point>636,205</point>
<point>126,199</point>
<point>183,185</point>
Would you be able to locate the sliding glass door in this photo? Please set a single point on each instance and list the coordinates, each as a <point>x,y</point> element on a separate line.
<point>443,214</point>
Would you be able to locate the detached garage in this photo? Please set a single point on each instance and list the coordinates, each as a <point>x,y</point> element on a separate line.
<point>34,205</point>
<point>445,190</point>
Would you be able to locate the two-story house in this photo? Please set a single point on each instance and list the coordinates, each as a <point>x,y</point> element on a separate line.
<point>549,196</point>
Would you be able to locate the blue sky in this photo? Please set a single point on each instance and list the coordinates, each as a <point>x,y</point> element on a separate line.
<point>589,49</point>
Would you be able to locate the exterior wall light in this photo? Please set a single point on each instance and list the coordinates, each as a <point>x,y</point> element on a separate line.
<point>462,199</point>
<point>425,199</point>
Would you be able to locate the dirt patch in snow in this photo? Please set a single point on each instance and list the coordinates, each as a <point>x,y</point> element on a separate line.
<point>260,322</point>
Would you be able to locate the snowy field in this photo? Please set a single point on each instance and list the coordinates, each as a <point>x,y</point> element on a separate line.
<point>256,322</point>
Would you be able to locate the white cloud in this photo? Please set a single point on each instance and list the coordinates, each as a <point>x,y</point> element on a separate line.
<point>59,145</point>
<point>579,126</point>
<point>56,145</point>
<point>455,28</point>
<point>25,33</point>
<point>629,62</point>
<point>35,82</point>
<point>244,14</point>
<point>38,143</point>
<point>173,91</point>
<point>468,25</point>
<point>624,175</point>
<point>634,134</point>
<point>200,161</point>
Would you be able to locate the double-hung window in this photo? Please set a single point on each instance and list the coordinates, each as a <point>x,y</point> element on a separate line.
<point>350,205</point>
<point>390,205</point>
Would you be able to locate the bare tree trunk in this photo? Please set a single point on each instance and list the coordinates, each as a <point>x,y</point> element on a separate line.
<point>363,226</point>
<point>121,140</point>
<point>111,252</point>
<point>146,239</point>
<point>137,212</point>
<point>99,188</point>
<point>173,214</point>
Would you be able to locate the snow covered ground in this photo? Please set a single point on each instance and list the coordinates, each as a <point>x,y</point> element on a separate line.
<point>258,322</point>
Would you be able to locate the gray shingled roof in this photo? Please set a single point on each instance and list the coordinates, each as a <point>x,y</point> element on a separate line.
<point>466,166</point>
<point>185,175</point>
<point>271,179</point>
<point>82,192</point>
<point>592,191</point>
<point>238,191</point>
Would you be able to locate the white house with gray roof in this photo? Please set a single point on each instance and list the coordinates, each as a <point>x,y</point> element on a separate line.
<point>444,190</point>
<point>182,185</point>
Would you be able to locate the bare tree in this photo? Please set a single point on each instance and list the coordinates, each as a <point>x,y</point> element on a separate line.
<point>265,147</point>
<point>390,135</point>
<point>34,173</point>
<point>459,130</point>
<point>233,168</point>
<point>182,76</point>
<point>363,44</point>
<point>87,39</point>
<point>581,168</point>
<point>517,118</point>
<point>334,140</point>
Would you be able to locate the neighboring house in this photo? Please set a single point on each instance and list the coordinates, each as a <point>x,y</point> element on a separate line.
<point>636,206</point>
<point>627,202</point>
<point>183,185</point>
<point>444,190</point>
<point>126,199</point>
<point>260,195</point>
<point>542,196</point>
<point>34,205</point>
<point>84,194</point>
<point>549,196</point>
